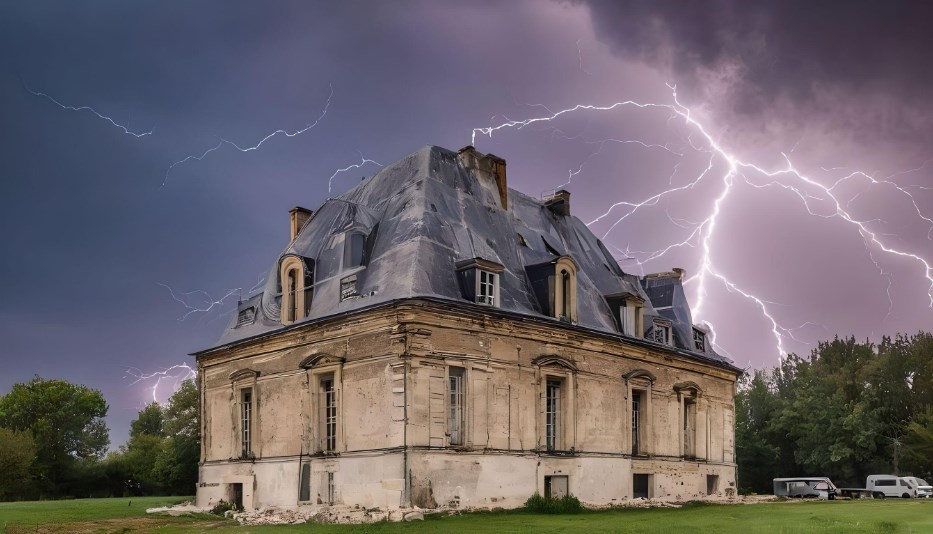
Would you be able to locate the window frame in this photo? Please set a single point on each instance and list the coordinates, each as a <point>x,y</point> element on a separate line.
<point>456,406</point>
<point>246,421</point>
<point>296,286</point>
<point>482,297</point>
<point>666,328</point>
<point>699,340</point>
<point>565,290</point>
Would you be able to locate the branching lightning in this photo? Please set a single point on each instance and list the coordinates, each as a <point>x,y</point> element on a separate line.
<point>223,141</point>
<point>702,233</point>
<point>174,375</point>
<point>99,115</point>
<point>363,161</point>
<point>198,301</point>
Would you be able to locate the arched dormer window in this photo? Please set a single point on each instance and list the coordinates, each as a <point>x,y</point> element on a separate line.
<point>565,290</point>
<point>297,279</point>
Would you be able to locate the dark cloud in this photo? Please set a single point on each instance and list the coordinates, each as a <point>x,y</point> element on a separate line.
<point>789,48</point>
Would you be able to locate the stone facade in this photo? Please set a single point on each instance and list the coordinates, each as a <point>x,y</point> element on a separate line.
<point>391,436</point>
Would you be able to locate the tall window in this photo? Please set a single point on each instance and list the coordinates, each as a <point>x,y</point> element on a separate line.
<point>292,301</point>
<point>246,420</point>
<point>552,415</point>
<point>455,413</point>
<point>636,417</point>
<point>487,288</point>
<point>329,413</point>
<point>690,415</point>
<point>565,287</point>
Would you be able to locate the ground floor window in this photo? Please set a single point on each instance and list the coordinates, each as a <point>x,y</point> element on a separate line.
<point>552,415</point>
<point>641,486</point>
<point>712,484</point>
<point>556,486</point>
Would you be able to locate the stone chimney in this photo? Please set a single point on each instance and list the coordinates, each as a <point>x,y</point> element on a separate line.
<point>298,216</point>
<point>681,272</point>
<point>559,203</point>
<point>489,167</point>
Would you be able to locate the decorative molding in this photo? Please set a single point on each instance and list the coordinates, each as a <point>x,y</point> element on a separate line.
<point>320,359</point>
<point>640,373</point>
<point>240,374</point>
<point>542,361</point>
<point>688,385</point>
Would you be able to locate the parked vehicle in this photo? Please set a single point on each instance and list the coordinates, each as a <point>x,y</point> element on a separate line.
<point>895,486</point>
<point>805,487</point>
<point>924,489</point>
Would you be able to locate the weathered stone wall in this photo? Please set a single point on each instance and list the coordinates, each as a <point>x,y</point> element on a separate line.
<point>391,365</point>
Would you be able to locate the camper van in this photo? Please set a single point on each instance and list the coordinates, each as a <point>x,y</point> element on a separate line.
<point>801,487</point>
<point>895,486</point>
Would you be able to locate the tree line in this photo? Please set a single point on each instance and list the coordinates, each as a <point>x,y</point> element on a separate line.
<point>849,410</point>
<point>54,444</point>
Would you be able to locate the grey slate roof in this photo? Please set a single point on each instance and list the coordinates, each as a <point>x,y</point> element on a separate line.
<point>426,212</point>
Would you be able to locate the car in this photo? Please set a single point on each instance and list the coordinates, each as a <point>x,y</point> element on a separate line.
<point>805,487</point>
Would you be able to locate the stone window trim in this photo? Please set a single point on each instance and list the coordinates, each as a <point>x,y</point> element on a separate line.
<point>243,380</point>
<point>457,406</point>
<point>296,301</point>
<point>628,309</point>
<point>565,281</point>
<point>691,412</point>
<point>552,368</point>
<point>318,368</point>
<point>641,382</point>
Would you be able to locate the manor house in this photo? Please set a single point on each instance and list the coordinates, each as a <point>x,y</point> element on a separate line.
<point>434,338</point>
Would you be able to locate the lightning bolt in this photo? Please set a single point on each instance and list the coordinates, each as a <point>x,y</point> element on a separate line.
<point>703,232</point>
<point>175,375</point>
<point>99,115</point>
<point>363,161</point>
<point>226,142</point>
<point>204,302</point>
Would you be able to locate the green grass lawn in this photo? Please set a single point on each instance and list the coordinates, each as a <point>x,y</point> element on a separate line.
<point>128,515</point>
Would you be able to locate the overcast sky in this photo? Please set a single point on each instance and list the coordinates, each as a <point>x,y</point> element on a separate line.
<point>95,231</point>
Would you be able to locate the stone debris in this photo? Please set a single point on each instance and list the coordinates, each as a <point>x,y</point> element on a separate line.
<point>179,509</point>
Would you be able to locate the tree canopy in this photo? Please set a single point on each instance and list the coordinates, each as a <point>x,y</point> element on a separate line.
<point>848,410</point>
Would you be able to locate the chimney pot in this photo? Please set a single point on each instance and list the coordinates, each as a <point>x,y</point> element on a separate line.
<point>559,202</point>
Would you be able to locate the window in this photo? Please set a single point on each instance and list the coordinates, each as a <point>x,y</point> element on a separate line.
<point>636,420</point>
<point>552,415</point>
<point>328,414</point>
<point>304,483</point>
<point>699,340</point>
<point>297,285</point>
<point>689,430</point>
<point>565,290</point>
<point>455,410</point>
<point>246,316</point>
<point>556,486</point>
<point>886,482</point>
<point>641,486</point>
<point>662,333</point>
<point>354,246</point>
<point>712,484</point>
<point>487,288</point>
<point>348,287</point>
<point>246,417</point>
<point>632,318</point>
<point>329,488</point>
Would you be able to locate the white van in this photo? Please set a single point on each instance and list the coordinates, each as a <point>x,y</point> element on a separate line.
<point>924,489</point>
<point>892,486</point>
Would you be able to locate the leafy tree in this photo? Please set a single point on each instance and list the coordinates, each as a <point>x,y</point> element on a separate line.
<point>66,421</point>
<point>177,465</point>
<point>17,453</point>
<point>149,421</point>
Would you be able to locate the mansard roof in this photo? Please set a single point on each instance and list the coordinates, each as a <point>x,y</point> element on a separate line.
<point>425,214</point>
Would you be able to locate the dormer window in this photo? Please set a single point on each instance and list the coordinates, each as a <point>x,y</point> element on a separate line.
<point>699,340</point>
<point>565,290</point>
<point>628,310</point>
<point>662,332</point>
<point>297,282</point>
<point>479,280</point>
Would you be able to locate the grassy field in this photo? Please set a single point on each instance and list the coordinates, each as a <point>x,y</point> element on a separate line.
<point>128,515</point>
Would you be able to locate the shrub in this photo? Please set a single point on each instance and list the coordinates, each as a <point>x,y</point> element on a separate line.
<point>222,507</point>
<point>567,504</point>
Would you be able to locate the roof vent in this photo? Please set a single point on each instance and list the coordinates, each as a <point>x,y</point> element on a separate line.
<point>559,202</point>
<point>488,166</point>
